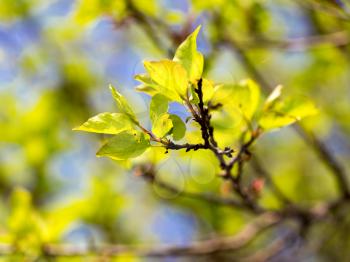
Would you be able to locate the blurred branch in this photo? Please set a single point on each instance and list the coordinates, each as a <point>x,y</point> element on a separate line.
<point>200,248</point>
<point>147,24</point>
<point>337,39</point>
<point>334,9</point>
<point>148,172</point>
<point>329,159</point>
<point>272,249</point>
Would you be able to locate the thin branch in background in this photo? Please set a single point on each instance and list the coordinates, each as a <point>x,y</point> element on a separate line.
<point>146,24</point>
<point>299,44</point>
<point>325,8</point>
<point>329,159</point>
<point>199,248</point>
<point>148,172</point>
<point>273,249</point>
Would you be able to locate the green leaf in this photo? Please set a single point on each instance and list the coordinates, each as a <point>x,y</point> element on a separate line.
<point>179,127</point>
<point>286,112</point>
<point>208,89</point>
<point>170,78</point>
<point>162,125</point>
<point>159,105</point>
<point>188,56</point>
<point>146,89</point>
<point>123,105</point>
<point>243,97</point>
<point>125,145</point>
<point>106,123</point>
<point>147,86</point>
<point>194,99</point>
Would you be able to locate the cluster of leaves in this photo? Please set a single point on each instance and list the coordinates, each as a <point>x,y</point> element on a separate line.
<point>180,80</point>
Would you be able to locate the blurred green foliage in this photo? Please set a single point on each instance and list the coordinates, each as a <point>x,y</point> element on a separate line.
<point>56,60</point>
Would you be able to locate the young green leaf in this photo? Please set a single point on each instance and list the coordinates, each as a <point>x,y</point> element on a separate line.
<point>159,105</point>
<point>106,123</point>
<point>194,99</point>
<point>125,145</point>
<point>146,89</point>
<point>170,78</point>
<point>286,112</point>
<point>188,56</point>
<point>162,125</point>
<point>147,86</point>
<point>208,89</point>
<point>179,127</point>
<point>243,97</point>
<point>123,105</point>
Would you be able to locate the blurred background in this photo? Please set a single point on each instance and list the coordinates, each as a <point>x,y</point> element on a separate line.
<point>57,58</point>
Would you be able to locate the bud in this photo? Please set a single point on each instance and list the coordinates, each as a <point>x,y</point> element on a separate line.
<point>257,186</point>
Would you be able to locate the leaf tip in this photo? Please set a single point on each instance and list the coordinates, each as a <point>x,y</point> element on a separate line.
<point>99,153</point>
<point>198,28</point>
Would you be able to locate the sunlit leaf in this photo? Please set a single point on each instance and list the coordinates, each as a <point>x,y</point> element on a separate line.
<point>123,105</point>
<point>286,112</point>
<point>162,125</point>
<point>147,86</point>
<point>243,97</point>
<point>179,127</point>
<point>208,89</point>
<point>146,89</point>
<point>106,123</point>
<point>170,78</point>
<point>194,99</point>
<point>124,145</point>
<point>159,105</point>
<point>188,56</point>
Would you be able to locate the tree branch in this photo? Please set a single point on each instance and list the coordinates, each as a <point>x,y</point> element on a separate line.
<point>199,248</point>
